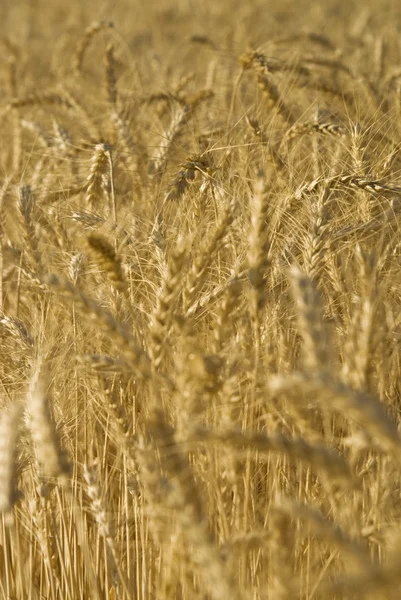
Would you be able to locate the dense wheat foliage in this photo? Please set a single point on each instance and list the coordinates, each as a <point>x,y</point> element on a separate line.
<point>200,294</point>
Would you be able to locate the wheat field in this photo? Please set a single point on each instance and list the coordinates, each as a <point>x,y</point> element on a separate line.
<point>200,281</point>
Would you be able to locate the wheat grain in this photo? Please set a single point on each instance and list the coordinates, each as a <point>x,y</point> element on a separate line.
<point>52,459</point>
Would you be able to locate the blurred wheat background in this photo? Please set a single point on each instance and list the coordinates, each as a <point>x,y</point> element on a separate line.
<point>200,279</point>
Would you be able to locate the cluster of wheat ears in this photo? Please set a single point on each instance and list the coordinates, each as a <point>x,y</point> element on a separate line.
<point>199,310</point>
